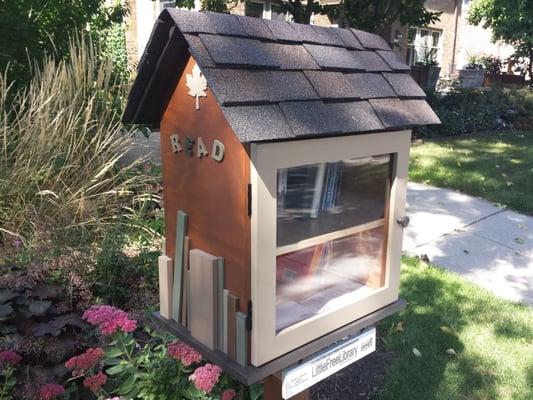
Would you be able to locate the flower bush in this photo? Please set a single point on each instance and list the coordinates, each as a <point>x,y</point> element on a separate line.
<point>128,366</point>
<point>51,391</point>
<point>183,352</point>
<point>206,377</point>
<point>8,360</point>
<point>109,319</point>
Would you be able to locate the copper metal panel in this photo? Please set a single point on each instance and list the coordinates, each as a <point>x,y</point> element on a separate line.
<point>213,194</point>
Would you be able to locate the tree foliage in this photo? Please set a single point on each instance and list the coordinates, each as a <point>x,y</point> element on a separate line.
<point>511,21</point>
<point>31,28</point>
<point>370,15</point>
<point>373,15</point>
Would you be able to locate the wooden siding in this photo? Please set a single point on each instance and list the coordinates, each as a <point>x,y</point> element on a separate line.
<point>213,194</point>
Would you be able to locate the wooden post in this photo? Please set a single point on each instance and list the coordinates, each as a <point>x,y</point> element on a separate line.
<point>272,391</point>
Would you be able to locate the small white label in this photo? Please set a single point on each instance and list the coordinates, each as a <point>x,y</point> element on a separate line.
<point>329,361</point>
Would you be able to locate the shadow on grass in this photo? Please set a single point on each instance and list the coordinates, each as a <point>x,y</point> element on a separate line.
<point>510,328</point>
<point>442,314</point>
<point>496,166</point>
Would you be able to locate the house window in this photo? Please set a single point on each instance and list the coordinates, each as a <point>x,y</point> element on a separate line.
<point>254,9</point>
<point>265,9</point>
<point>166,4</point>
<point>423,46</point>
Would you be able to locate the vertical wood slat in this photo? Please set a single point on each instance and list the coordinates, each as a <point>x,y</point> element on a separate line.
<point>189,313</point>
<point>203,284</point>
<point>233,308</point>
<point>225,321</point>
<point>181,230</point>
<point>185,284</point>
<point>220,303</point>
<point>241,339</point>
<point>165,285</point>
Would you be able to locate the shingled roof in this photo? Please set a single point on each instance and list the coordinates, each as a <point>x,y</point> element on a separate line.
<point>278,80</point>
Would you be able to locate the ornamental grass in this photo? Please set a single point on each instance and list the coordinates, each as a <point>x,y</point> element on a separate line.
<point>62,148</point>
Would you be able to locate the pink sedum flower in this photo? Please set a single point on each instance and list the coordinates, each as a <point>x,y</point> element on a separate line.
<point>79,364</point>
<point>95,382</point>
<point>9,357</point>
<point>183,352</point>
<point>50,391</point>
<point>109,319</point>
<point>228,394</point>
<point>206,377</point>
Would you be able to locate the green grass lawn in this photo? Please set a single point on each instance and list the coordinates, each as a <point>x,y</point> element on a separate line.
<point>496,166</point>
<point>492,339</point>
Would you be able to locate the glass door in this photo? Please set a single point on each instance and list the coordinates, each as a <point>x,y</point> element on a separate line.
<point>331,235</point>
<point>324,251</point>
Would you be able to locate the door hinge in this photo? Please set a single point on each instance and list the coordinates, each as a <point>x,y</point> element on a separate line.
<point>249,199</point>
<point>249,316</point>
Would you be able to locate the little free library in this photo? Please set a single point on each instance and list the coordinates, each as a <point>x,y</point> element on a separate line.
<point>285,151</point>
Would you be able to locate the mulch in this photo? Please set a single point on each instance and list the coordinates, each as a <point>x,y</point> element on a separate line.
<point>362,380</point>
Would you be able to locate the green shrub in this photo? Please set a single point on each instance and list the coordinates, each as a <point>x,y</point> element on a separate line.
<point>114,272</point>
<point>474,110</point>
<point>61,144</point>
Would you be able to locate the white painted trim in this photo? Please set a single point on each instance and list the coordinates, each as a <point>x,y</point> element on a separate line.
<point>266,159</point>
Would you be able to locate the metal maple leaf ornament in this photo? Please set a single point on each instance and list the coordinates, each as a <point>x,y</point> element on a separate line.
<point>197,85</point>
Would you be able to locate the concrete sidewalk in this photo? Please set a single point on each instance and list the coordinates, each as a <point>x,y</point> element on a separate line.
<point>488,245</point>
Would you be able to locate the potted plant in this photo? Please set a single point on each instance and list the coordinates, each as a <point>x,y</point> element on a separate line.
<point>473,73</point>
<point>493,70</point>
<point>426,71</point>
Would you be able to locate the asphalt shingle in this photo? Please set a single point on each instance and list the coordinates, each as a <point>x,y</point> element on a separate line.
<point>256,28</point>
<point>308,118</point>
<point>198,51</point>
<point>241,86</point>
<point>392,59</point>
<point>334,57</point>
<point>237,51</point>
<point>349,39</point>
<point>225,24</point>
<point>370,61</point>
<point>290,56</point>
<point>421,112</point>
<point>404,85</point>
<point>392,113</point>
<point>371,40</point>
<point>191,21</point>
<point>369,86</point>
<point>263,122</point>
<point>318,118</point>
<point>306,33</point>
<point>354,116</point>
<point>331,85</point>
<point>283,31</point>
<point>327,36</point>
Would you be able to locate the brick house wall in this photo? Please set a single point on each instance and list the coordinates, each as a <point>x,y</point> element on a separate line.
<point>449,26</point>
<point>458,40</point>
